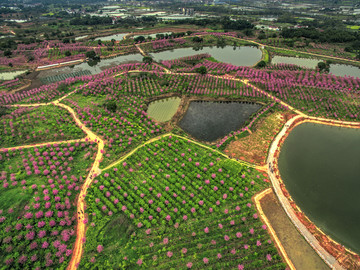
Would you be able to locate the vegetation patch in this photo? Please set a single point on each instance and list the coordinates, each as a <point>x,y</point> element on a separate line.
<point>189,207</point>
<point>27,125</point>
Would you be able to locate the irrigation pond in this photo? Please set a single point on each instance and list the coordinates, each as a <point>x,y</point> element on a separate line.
<point>336,69</point>
<point>210,120</point>
<point>116,37</point>
<point>239,56</point>
<point>320,166</point>
<point>87,67</point>
<point>164,109</point>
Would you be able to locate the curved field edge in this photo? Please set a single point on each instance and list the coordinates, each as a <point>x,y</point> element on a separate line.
<point>174,204</point>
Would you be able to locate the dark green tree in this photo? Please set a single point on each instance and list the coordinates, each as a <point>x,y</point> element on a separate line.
<point>91,54</point>
<point>7,53</point>
<point>261,64</point>
<point>147,59</point>
<point>201,70</point>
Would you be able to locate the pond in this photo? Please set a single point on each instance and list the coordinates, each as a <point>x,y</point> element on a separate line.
<point>336,69</point>
<point>11,75</point>
<point>117,37</point>
<point>238,56</point>
<point>152,35</point>
<point>303,62</point>
<point>345,70</point>
<point>94,69</point>
<point>164,109</point>
<point>320,166</point>
<point>208,120</point>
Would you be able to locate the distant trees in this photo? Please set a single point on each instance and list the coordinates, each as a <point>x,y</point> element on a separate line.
<point>87,20</point>
<point>235,25</point>
<point>328,35</point>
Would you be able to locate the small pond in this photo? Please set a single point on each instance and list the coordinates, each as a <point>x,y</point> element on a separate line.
<point>320,166</point>
<point>303,62</point>
<point>336,69</point>
<point>117,37</point>
<point>153,36</point>
<point>345,70</point>
<point>164,109</point>
<point>208,120</point>
<point>238,56</point>
<point>94,69</point>
<point>11,75</point>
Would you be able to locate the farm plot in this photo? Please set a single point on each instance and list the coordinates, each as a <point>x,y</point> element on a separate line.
<point>177,205</point>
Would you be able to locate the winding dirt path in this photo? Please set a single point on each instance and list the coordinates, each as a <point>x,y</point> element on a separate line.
<point>91,136</point>
<point>81,226</point>
<point>42,144</point>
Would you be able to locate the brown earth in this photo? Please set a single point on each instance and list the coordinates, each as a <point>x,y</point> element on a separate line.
<point>254,147</point>
<point>301,254</point>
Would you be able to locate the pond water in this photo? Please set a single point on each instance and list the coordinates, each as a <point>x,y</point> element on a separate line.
<point>336,69</point>
<point>94,69</point>
<point>208,121</point>
<point>239,56</point>
<point>164,109</point>
<point>320,166</point>
<point>116,37</point>
<point>152,35</point>
<point>344,70</point>
<point>303,62</point>
<point>11,75</point>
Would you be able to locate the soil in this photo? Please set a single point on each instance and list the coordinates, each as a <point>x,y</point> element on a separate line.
<point>302,255</point>
<point>254,147</point>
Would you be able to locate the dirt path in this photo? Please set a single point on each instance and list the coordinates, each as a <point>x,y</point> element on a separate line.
<point>80,228</point>
<point>42,144</point>
<point>140,50</point>
<point>298,251</point>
